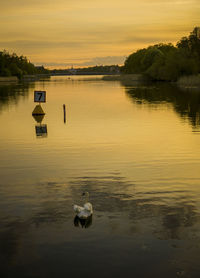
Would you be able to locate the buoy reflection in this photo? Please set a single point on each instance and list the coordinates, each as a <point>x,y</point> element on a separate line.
<point>40,129</point>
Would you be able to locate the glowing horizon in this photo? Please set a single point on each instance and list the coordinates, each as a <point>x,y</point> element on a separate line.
<point>68,33</point>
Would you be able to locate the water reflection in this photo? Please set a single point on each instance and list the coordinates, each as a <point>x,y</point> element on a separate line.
<point>138,225</point>
<point>185,102</point>
<point>64,113</point>
<point>120,199</point>
<point>84,223</point>
<point>40,129</point>
<point>176,219</point>
<point>12,93</point>
<point>38,118</point>
<point>145,197</point>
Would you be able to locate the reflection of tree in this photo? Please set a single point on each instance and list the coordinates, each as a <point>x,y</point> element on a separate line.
<point>175,219</point>
<point>12,93</point>
<point>185,102</point>
<point>11,241</point>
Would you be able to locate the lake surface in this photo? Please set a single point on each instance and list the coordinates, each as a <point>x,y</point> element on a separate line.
<point>134,148</point>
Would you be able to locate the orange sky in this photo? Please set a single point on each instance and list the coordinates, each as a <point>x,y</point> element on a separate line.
<point>82,33</point>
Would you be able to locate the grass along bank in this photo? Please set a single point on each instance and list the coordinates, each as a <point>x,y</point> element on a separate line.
<point>8,79</point>
<point>189,81</point>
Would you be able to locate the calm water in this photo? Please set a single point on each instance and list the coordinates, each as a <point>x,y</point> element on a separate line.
<point>135,149</point>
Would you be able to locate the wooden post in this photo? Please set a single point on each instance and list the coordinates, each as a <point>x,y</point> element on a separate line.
<point>64,111</point>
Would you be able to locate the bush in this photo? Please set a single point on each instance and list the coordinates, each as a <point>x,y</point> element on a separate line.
<point>5,72</point>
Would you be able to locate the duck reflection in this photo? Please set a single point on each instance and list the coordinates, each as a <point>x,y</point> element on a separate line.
<point>84,223</point>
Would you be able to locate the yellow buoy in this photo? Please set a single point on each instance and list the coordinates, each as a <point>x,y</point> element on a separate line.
<point>38,110</point>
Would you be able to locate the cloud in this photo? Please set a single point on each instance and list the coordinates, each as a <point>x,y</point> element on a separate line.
<point>92,30</point>
<point>107,60</point>
<point>115,35</point>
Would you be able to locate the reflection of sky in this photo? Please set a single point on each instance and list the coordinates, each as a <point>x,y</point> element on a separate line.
<point>92,32</point>
<point>105,131</point>
<point>125,231</point>
<point>140,164</point>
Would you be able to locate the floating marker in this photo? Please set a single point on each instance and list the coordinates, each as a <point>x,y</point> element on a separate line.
<point>38,114</point>
<point>39,96</point>
<point>64,111</point>
<point>38,110</point>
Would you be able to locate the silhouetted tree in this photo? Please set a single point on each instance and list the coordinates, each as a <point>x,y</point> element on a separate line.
<point>12,65</point>
<point>165,61</point>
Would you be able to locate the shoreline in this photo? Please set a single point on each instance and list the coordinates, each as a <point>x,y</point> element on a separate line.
<point>125,77</point>
<point>9,79</point>
<point>26,78</point>
<point>190,81</point>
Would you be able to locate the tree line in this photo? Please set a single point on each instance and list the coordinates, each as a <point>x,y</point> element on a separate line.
<point>13,65</point>
<point>164,62</point>
<point>111,69</point>
<point>167,62</point>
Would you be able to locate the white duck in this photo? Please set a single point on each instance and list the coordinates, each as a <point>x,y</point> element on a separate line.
<point>85,211</point>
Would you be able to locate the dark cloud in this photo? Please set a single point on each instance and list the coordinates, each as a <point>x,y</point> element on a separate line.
<point>107,60</point>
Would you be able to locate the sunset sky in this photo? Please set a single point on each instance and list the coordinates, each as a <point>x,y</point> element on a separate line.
<point>63,33</point>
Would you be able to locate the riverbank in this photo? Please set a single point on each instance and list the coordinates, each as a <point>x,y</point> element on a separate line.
<point>35,77</point>
<point>25,78</point>
<point>124,77</point>
<point>127,79</point>
<point>191,81</point>
<point>8,79</point>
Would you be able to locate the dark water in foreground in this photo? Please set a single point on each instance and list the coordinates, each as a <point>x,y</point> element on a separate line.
<point>135,149</point>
